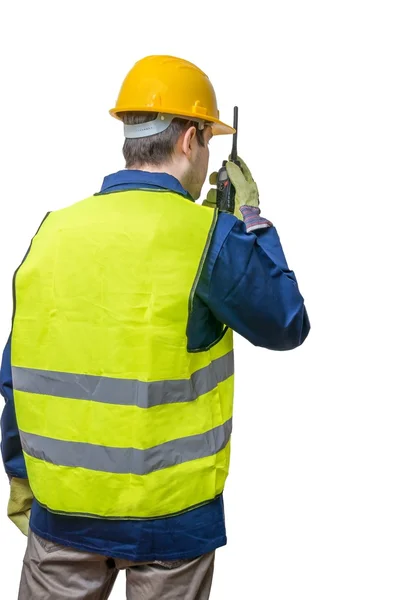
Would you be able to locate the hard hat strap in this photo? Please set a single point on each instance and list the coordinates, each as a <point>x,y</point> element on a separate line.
<point>158,125</point>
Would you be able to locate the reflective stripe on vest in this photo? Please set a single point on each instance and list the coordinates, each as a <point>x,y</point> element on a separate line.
<point>117,419</point>
<point>127,460</point>
<point>124,391</point>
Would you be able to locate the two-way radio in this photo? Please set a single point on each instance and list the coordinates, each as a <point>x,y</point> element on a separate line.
<point>225,189</point>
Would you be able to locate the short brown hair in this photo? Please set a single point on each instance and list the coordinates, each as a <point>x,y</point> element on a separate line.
<point>155,149</point>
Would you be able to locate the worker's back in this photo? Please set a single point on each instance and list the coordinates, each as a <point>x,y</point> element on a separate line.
<point>116,417</point>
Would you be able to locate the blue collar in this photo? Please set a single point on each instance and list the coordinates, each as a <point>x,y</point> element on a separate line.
<point>134,179</point>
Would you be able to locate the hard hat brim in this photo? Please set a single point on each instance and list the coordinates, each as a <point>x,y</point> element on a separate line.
<point>218,127</point>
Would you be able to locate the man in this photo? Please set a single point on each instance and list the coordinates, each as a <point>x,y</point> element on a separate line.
<point>118,374</point>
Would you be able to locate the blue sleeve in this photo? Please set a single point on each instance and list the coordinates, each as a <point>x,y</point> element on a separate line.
<point>11,450</point>
<point>248,286</point>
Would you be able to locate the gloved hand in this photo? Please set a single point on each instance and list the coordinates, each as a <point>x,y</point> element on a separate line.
<point>244,184</point>
<point>20,503</point>
<point>211,198</point>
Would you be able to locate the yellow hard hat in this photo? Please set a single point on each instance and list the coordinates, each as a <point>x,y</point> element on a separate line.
<point>165,84</point>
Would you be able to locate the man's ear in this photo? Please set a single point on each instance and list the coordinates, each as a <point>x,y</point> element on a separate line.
<point>188,140</point>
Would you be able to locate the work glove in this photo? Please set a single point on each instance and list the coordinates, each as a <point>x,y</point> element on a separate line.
<point>20,503</point>
<point>244,184</point>
<point>211,198</point>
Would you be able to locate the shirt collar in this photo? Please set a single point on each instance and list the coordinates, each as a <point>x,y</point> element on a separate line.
<point>135,179</point>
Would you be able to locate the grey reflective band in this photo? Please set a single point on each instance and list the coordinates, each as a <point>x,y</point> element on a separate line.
<point>127,460</point>
<point>128,392</point>
<point>158,125</point>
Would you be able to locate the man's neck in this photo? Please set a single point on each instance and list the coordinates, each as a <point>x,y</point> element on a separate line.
<point>169,168</point>
<point>164,168</point>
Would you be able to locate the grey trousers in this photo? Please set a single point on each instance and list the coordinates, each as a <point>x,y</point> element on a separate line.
<point>54,572</point>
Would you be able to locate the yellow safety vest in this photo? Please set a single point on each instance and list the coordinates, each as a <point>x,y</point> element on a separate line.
<point>117,419</point>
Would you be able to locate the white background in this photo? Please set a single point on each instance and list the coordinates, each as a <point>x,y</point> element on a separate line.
<point>312,499</point>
